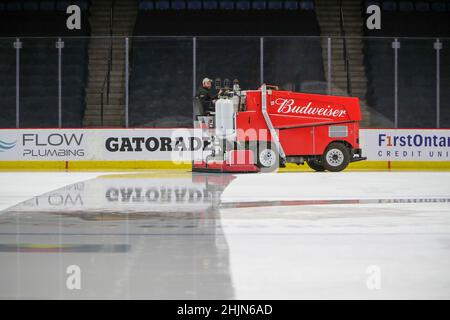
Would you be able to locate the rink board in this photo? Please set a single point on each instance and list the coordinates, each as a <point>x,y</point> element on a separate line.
<point>175,148</point>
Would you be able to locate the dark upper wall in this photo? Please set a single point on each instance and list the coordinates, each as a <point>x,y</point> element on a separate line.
<point>226,23</point>
<point>412,18</point>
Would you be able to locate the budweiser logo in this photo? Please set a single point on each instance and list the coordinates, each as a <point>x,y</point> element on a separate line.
<point>287,106</point>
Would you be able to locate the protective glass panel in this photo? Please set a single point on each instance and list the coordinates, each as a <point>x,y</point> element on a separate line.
<point>39,83</point>
<point>229,58</point>
<point>75,82</point>
<point>378,97</point>
<point>445,84</point>
<point>7,83</point>
<point>295,63</point>
<point>161,89</point>
<point>416,84</point>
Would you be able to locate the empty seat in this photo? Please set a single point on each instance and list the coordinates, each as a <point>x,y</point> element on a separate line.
<point>178,5</point>
<point>83,4</point>
<point>47,5</point>
<point>226,4</point>
<point>438,6</point>
<point>243,5</point>
<point>194,5</point>
<point>210,4</point>
<point>61,5</point>
<point>306,5</point>
<point>31,5</point>
<point>405,6</point>
<point>275,4</point>
<point>14,5</point>
<point>389,6</point>
<point>290,5</point>
<point>146,5</point>
<point>162,5</point>
<point>422,6</point>
<point>259,5</point>
<point>373,2</point>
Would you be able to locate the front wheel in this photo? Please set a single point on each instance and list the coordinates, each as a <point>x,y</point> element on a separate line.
<point>336,157</point>
<point>266,155</point>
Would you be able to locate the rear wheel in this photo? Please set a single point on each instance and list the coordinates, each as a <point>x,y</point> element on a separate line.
<point>336,157</point>
<point>316,165</point>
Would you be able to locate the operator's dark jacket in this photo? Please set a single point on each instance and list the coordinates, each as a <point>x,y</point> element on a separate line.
<point>206,97</point>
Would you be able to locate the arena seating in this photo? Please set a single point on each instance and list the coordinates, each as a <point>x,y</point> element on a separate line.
<point>416,62</point>
<point>161,88</point>
<point>226,5</point>
<point>39,63</point>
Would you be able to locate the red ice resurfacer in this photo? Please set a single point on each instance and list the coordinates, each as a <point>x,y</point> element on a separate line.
<point>262,130</point>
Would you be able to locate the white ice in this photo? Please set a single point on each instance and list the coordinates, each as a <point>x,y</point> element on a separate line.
<point>16,187</point>
<point>389,237</point>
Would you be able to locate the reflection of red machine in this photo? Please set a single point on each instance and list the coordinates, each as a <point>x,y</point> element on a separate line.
<point>266,128</point>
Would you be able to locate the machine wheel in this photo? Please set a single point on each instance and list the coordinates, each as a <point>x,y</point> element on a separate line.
<point>266,155</point>
<point>336,157</point>
<point>316,165</point>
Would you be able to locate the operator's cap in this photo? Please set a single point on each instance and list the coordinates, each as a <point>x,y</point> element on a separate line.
<point>205,80</point>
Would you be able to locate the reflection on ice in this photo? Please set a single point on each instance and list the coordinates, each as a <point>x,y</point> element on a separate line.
<point>207,236</point>
<point>132,237</point>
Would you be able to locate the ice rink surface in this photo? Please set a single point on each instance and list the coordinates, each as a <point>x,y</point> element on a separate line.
<point>179,235</point>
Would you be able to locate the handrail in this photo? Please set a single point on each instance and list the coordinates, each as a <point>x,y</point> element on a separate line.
<point>107,79</point>
<point>347,67</point>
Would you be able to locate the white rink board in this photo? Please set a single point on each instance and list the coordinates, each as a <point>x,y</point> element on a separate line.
<point>405,144</point>
<point>161,144</point>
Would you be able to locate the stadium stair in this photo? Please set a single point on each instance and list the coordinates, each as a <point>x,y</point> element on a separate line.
<point>328,15</point>
<point>125,12</point>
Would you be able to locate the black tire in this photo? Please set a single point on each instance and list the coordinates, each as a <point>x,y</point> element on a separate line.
<point>336,157</point>
<point>266,156</point>
<point>316,165</point>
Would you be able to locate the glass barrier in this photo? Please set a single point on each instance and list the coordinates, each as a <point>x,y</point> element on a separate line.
<point>7,83</point>
<point>288,61</point>
<point>77,82</point>
<point>99,75</point>
<point>161,89</point>
<point>444,85</point>
<point>229,58</point>
<point>416,84</point>
<point>73,83</point>
<point>38,83</point>
<point>378,67</point>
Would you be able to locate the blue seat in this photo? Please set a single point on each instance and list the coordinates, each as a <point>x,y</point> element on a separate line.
<point>422,6</point>
<point>194,5</point>
<point>61,5</point>
<point>274,5</point>
<point>291,5</point>
<point>14,5</point>
<point>405,6</point>
<point>226,4</point>
<point>178,5</point>
<point>47,5</point>
<point>259,5</point>
<point>243,5</point>
<point>83,4</point>
<point>306,5</point>
<point>372,2</point>
<point>31,5</point>
<point>146,5</point>
<point>389,6</point>
<point>438,7</point>
<point>210,4</point>
<point>162,5</point>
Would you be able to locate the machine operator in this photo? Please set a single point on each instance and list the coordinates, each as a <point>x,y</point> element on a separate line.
<point>206,97</point>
